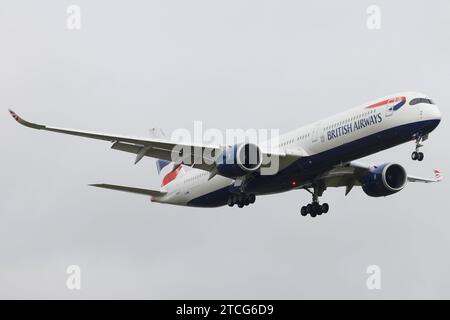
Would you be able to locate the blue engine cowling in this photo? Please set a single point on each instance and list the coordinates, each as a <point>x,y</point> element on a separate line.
<point>384,180</point>
<point>239,160</point>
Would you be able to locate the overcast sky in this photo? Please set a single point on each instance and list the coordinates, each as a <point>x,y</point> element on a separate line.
<point>135,65</point>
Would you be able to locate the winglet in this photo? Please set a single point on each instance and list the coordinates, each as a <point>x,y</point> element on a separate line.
<point>438,175</point>
<point>25,123</point>
<point>14,115</point>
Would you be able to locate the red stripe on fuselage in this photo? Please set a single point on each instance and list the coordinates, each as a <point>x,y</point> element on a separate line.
<point>378,104</point>
<point>384,102</point>
<point>170,176</point>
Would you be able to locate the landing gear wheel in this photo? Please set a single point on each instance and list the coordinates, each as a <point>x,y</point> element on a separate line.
<point>415,155</point>
<point>316,208</point>
<point>420,156</point>
<point>303,211</point>
<point>241,199</point>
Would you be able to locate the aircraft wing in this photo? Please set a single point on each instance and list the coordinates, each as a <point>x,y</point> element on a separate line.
<point>156,148</point>
<point>199,157</point>
<point>437,177</point>
<point>349,175</point>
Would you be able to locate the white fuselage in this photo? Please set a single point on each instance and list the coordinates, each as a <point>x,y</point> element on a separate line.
<point>357,123</point>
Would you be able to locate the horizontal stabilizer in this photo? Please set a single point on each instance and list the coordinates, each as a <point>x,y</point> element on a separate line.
<point>146,192</point>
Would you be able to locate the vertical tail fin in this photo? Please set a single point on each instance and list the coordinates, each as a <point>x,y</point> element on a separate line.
<point>161,164</point>
<point>168,171</point>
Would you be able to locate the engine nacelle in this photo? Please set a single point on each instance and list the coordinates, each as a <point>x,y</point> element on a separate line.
<point>239,160</point>
<point>384,180</point>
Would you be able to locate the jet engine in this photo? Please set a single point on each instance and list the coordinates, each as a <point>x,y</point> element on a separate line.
<point>239,160</point>
<point>384,180</point>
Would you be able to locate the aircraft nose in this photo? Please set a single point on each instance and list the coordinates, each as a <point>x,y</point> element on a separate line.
<point>435,113</point>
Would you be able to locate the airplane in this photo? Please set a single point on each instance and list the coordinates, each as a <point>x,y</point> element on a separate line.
<point>314,157</point>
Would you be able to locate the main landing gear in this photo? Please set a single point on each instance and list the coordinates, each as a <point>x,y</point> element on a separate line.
<point>241,199</point>
<point>416,155</point>
<point>315,209</point>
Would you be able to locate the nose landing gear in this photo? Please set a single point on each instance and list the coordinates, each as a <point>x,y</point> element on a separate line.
<point>417,155</point>
<point>315,209</point>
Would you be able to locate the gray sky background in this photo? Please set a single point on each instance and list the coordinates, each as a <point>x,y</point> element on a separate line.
<point>135,65</point>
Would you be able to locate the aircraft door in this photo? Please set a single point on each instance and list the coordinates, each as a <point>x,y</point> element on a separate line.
<point>316,133</point>
<point>419,108</point>
<point>390,108</point>
<point>391,105</point>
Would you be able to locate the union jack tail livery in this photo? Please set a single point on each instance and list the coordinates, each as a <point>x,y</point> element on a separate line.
<point>438,175</point>
<point>168,170</point>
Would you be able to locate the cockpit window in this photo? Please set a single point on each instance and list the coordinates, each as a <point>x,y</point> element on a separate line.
<point>421,100</point>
